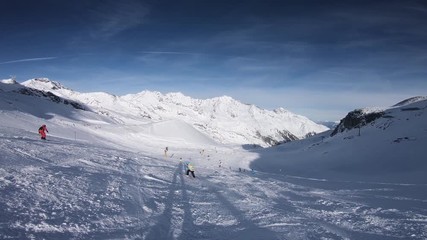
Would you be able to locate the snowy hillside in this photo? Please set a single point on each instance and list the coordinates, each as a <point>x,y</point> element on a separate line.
<point>97,178</point>
<point>375,144</point>
<point>223,119</point>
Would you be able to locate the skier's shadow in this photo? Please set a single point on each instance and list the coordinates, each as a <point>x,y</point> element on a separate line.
<point>245,229</point>
<point>164,228</point>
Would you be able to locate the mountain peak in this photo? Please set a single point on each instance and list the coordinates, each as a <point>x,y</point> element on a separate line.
<point>225,98</point>
<point>410,100</point>
<point>8,81</point>
<point>44,84</point>
<point>280,110</point>
<point>224,118</point>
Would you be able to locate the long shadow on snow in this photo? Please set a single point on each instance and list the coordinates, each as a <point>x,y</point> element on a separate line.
<point>245,229</point>
<point>363,196</point>
<point>164,227</point>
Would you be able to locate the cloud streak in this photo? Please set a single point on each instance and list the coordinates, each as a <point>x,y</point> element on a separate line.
<point>116,17</point>
<point>317,59</point>
<point>172,53</point>
<point>29,60</point>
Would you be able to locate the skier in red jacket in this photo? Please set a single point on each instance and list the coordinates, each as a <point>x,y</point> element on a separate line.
<point>42,132</point>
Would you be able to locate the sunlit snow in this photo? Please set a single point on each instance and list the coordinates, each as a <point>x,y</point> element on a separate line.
<point>104,176</point>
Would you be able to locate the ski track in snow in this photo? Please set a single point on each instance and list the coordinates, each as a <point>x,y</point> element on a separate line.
<point>63,189</point>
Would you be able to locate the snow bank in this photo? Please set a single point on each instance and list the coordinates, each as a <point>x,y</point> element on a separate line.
<point>179,130</point>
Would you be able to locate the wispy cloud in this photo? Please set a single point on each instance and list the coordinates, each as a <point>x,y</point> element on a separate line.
<point>170,53</point>
<point>118,16</point>
<point>28,60</point>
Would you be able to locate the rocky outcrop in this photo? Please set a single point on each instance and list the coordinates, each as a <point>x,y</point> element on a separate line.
<point>52,97</point>
<point>355,119</point>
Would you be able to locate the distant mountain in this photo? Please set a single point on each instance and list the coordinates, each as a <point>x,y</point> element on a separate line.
<point>369,144</point>
<point>222,118</point>
<point>364,116</point>
<point>329,124</point>
<point>13,86</point>
<point>410,100</point>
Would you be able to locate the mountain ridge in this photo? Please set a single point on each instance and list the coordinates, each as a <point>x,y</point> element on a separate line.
<point>223,118</point>
<point>369,144</point>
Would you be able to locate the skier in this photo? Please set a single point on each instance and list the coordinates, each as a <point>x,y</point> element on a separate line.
<point>190,168</point>
<point>42,132</point>
<point>166,151</point>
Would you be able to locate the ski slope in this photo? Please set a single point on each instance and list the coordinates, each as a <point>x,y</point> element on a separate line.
<point>96,178</point>
<point>67,189</point>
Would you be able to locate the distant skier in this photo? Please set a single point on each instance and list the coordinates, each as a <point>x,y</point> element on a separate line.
<point>190,169</point>
<point>166,151</point>
<point>42,132</point>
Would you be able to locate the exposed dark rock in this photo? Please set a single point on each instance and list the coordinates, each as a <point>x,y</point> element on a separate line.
<point>310,134</point>
<point>52,97</point>
<point>356,118</point>
<point>285,135</point>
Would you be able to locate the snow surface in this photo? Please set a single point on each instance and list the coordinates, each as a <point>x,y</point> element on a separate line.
<point>97,178</point>
<point>223,118</point>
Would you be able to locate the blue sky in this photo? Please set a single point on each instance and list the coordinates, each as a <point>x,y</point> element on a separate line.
<point>320,59</point>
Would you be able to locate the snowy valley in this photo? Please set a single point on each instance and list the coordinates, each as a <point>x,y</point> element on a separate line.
<point>103,172</point>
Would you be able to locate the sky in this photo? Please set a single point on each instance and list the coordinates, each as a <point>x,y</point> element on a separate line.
<point>320,59</point>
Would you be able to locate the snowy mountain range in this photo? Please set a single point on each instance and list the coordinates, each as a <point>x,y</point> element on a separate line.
<point>103,172</point>
<point>223,119</point>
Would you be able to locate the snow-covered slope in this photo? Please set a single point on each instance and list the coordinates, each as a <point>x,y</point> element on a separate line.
<point>97,178</point>
<point>223,118</point>
<point>371,144</point>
